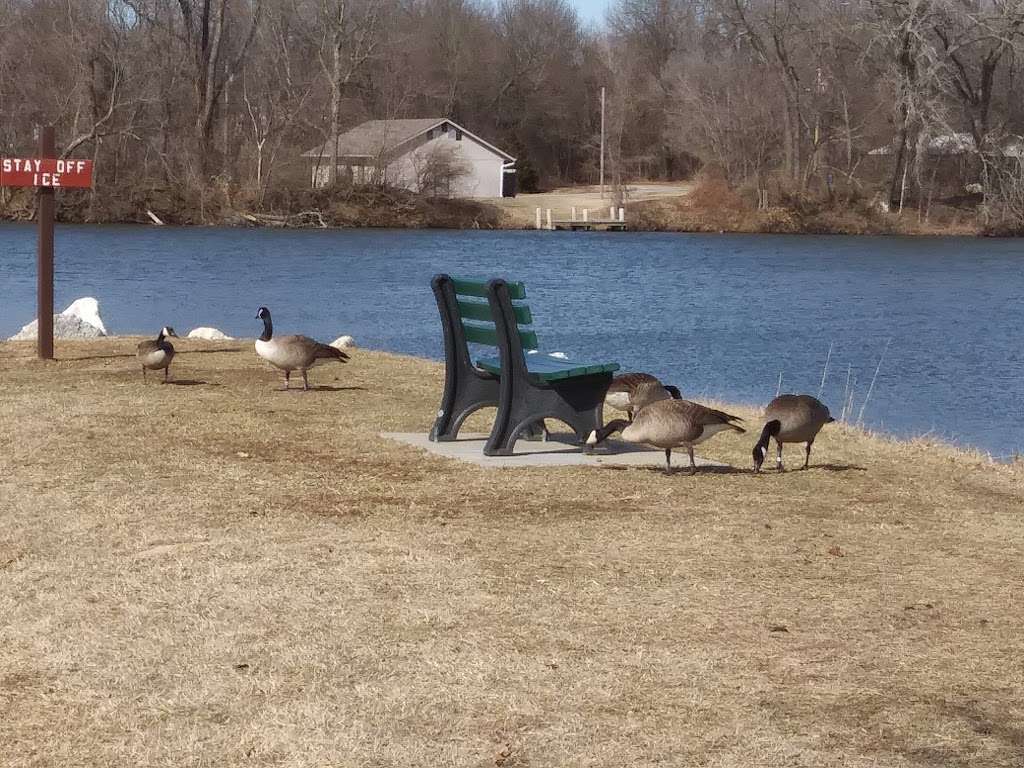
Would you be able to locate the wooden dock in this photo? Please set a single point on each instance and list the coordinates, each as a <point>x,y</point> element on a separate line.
<point>596,225</point>
<point>616,221</point>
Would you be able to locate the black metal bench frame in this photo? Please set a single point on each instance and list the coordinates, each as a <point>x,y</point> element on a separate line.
<point>523,399</point>
<point>466,387</point>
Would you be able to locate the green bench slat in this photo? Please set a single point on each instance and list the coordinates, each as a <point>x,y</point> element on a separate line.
<point>481,334</point>
<point>541,367</point>
<point>477,310</point>
<point>547,368</point>
<point>477,288</point>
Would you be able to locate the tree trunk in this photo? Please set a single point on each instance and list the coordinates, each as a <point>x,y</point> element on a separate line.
<point>206,83</point>
<point>895,193</point>
<point>336,77</point>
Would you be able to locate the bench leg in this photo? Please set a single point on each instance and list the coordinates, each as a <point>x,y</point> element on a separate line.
<point>577,402</point>
<point>535,431</point>
<point>461,397</point>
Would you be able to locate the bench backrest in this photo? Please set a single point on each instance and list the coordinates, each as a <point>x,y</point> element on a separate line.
<point>478,320</point>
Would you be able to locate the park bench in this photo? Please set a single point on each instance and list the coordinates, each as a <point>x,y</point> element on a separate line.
<point>525,388</point>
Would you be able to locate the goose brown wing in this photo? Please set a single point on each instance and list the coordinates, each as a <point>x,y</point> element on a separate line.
<point>649,392</point>
<point>304,350</point>
<point>800,417</point>
<point>628,382</point>
<point>669,422</point>
<point>711,416</point>
<point>329,352</point>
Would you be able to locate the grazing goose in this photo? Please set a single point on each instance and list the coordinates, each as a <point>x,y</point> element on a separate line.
<point>291,353</point>
<point>670,424</point>
<point>791,419</point>
<point>622,391</point>
<point>157,353</point>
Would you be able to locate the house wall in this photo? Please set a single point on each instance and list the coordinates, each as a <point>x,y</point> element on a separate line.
<point>356,173</point>
<point>483,176</point>
<point>482,179</point>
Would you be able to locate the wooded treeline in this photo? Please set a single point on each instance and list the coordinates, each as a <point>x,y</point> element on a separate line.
<point>781,98</point>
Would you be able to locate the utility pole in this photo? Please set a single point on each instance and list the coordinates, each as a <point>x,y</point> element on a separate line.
<point>602,142</point>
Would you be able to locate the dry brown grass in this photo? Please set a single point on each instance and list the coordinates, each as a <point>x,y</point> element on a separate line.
<point>713,206</point>
<point>220,574</point>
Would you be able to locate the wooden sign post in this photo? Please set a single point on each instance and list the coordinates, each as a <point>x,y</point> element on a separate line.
<point>46,173</point>
<point>44,269</point>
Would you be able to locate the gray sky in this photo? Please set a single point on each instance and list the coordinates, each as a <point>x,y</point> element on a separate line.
<point>591,10</point>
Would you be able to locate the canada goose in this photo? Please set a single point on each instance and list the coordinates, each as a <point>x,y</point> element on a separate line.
<point>791,419</point>
<point>157,353</point>
<point>290,353</point>
<point>622,391</point>
<point>670,424</point>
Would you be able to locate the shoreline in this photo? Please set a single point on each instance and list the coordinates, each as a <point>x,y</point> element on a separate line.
<point>699,207</point>
<point>184,345</point>
<point>710,232</point>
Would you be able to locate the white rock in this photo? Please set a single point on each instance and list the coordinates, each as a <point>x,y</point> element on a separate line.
<point>87,309</point>
<point>344,342</point>
<point>81,320</point>
<point>64,327</point>
<point>210,334</point>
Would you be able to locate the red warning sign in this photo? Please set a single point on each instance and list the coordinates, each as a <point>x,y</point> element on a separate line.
<point>40,172</point>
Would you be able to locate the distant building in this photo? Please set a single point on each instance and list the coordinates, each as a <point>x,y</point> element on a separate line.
<point>957,144</point>
<point>431,155</point>
<point>952,160</point>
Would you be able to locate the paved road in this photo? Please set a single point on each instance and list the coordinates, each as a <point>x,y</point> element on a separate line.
<point>522,209</point>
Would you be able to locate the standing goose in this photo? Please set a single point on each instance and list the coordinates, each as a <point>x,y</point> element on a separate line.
<point>623,389</point>
<point>290,353</point>
<point>670,424</point>
<point>791,419</point>
<point>157,353</point>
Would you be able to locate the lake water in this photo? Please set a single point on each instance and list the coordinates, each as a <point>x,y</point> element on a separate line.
<point>718,315</point>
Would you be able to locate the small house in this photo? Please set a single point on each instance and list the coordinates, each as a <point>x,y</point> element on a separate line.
<point>953,159</point>
<point>434,156</point>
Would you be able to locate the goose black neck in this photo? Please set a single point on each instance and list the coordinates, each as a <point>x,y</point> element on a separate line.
<point>612,426</point>
<point>268,328</point>
<point>771,429</point>
<point>160,336</point>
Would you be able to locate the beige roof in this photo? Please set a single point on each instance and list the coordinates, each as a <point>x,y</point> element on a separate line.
<point>376,138</point>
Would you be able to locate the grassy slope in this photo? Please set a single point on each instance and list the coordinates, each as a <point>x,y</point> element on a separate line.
<point>221,574</point>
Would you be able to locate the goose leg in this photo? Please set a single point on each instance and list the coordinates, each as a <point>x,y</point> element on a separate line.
<point>143,374</point>
<point>778,461</point>
<point>693,464</point>
<point>287,378</point>
<point>668,461</point>
<point>305,380</point>
<point>807,461</point>
<point>167,370</point>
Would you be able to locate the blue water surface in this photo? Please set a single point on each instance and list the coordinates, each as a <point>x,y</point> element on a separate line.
<point>719,315</point>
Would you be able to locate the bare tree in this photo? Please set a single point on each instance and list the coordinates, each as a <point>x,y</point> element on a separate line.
<point>348,39</point>
<point>208,25</point>
<point>774,30</point>
<point>438,170</point>
<point>975,38</point>
<point>785,92</point>
<point>275,91</point>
